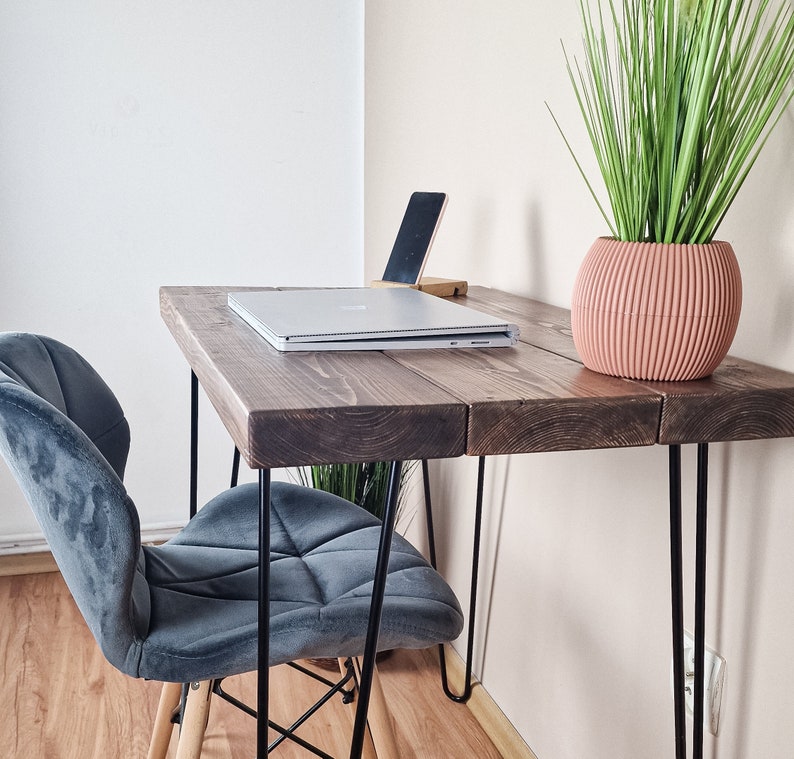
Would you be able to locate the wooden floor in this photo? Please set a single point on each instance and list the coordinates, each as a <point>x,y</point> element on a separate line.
<point>61,700</point>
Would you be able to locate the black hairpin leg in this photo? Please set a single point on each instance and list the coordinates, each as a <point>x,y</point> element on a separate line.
<point>677,596</point>
<point>263,651</point>
<point>235,467</point>
<point>193,443</point>
<point>376,608</point>
<point>676,578</point>
<point>463,697</point>
<point>700,599</point>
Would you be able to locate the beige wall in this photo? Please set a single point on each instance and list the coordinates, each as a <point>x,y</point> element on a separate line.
<point>574,631</point>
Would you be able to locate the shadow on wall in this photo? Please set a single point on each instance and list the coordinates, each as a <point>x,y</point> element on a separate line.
<point>495,496</point>
<point>752,558</point>
<point>783,316</point>
<point>761,229</point>
<point>537,252</point>
<point>481,229</point>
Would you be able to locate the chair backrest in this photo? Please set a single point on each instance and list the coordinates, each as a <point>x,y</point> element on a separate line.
<point>61,376</point>
<point>65,438</point>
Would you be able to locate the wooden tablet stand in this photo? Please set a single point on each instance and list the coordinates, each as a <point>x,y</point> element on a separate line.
<point>433,285</point>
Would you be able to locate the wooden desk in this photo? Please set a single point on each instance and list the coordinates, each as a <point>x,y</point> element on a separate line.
<point>285,409</point>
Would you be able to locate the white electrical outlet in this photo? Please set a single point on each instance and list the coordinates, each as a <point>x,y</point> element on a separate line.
<point>713,681</point>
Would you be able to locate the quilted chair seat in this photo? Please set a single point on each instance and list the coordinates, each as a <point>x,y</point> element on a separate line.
<point>322,558</point>
<point>187,610</point>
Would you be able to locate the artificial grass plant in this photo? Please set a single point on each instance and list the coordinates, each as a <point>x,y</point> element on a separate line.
<point>678,102</point>
<point>366,484</point>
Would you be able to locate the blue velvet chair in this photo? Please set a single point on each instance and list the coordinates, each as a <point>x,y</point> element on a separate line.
<point>186,611</point>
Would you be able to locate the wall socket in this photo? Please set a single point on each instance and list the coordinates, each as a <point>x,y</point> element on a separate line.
<point>714,681</point>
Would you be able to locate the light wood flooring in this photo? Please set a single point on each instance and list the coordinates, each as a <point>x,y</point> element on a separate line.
<point>60,699</point>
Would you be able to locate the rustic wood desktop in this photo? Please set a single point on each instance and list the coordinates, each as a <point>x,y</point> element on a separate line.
<point>311,408</point>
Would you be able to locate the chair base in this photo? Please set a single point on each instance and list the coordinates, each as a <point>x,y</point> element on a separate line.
<point>191,713</point>
<point>167,710</point>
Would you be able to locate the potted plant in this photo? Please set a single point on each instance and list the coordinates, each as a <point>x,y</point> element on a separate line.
<point>366,484</point>
<point>678,98</point>
<point>363,484</point>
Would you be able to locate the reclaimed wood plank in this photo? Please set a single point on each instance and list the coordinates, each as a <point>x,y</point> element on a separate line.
<point>285,409</point>
<point>542,325</point>
<point>740,401</point>
<point>524,399</point>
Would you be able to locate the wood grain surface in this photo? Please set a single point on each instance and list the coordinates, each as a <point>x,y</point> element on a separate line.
<point>284,409</point>
<point>541,324</point>
<point>740,401</point>
<point>524,399</point>
<point>294,408</point>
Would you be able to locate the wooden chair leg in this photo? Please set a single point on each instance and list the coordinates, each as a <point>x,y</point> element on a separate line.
<point>194,720</point>
<point>379,719</point>
<point>380,742</point>
<point>163,727</point>
<point>368,750</point>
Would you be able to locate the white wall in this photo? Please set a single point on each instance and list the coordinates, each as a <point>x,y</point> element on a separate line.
<point>574,632</point>
<point>154,142</point>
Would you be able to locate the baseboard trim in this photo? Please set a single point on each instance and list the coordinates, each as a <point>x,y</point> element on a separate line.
<point>486,711</point>
<point>31,555</point>
<point>27,563</point>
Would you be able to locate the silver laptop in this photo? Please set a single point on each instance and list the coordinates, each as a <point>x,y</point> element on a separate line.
<point>367,319</point>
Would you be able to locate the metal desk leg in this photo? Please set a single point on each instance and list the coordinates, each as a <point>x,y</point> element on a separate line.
<point>676,579</point>
<point>263,651</point>
<point>193,443</point>
<point>235,467</point>
<point>376,607</point>
<point>677,596</point>
<point>700,599</point>
<point>475,563</point>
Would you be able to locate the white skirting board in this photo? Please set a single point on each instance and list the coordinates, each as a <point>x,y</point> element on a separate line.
<point>35,542</point>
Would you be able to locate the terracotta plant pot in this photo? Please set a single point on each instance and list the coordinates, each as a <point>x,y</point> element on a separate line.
<point>656,311</point>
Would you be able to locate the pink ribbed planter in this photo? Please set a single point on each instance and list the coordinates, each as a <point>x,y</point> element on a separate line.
<point>656,311</point>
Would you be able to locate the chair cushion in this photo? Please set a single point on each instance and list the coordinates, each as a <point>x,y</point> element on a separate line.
<point>322,560</point>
